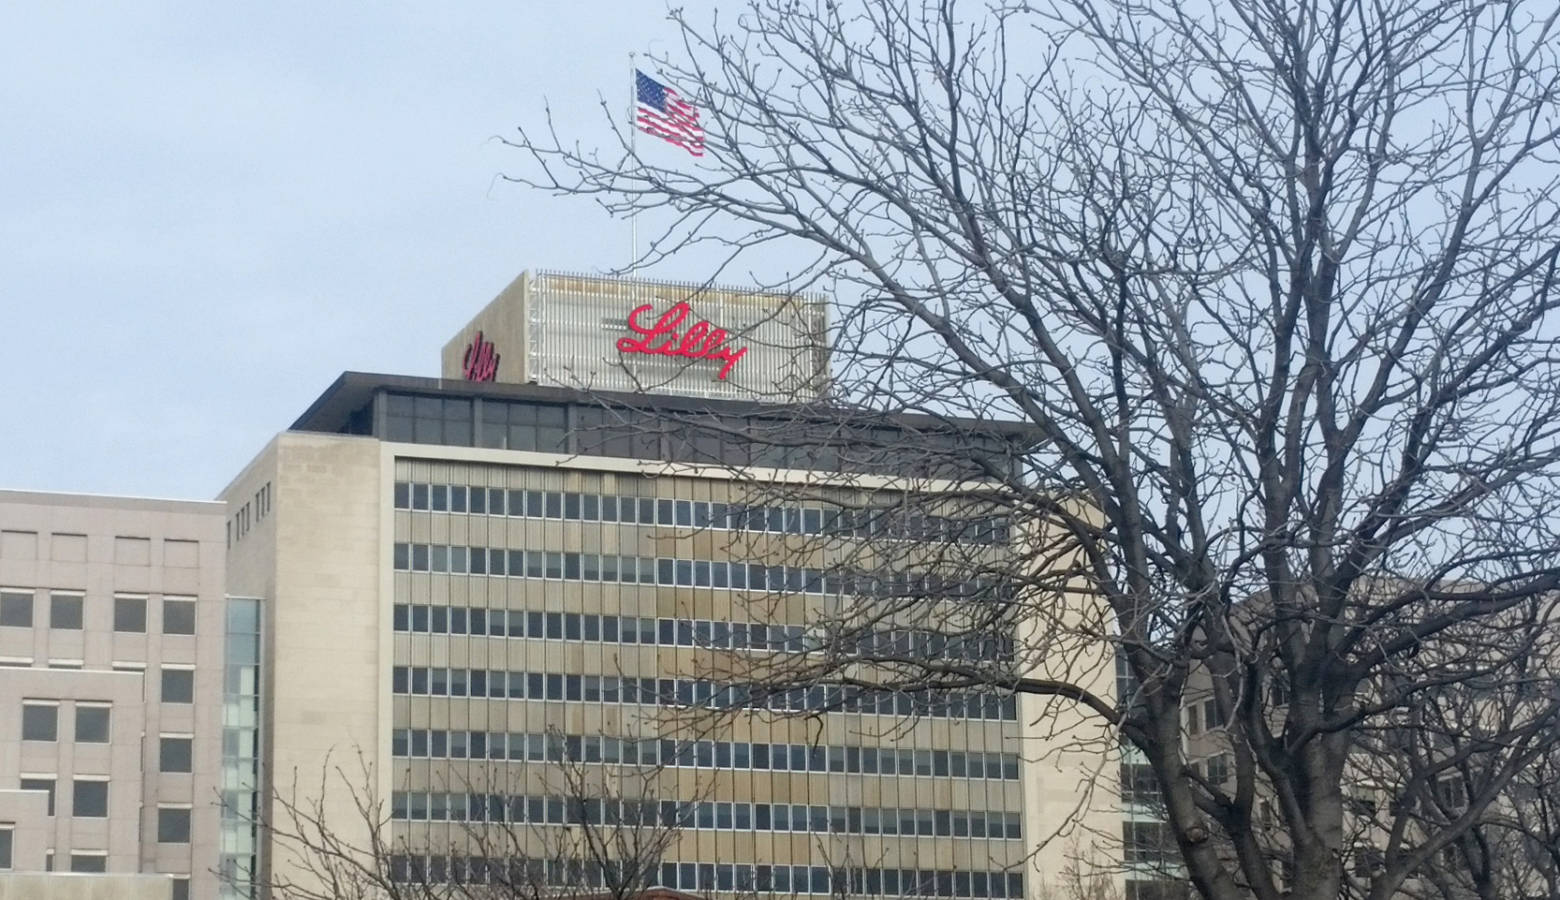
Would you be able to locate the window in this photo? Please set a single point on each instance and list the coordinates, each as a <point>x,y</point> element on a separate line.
<point>5,846</point>
<point>1138,784</point>
<point>130,614</point>
<point>88,862</point>
<point>89,799</point>
<point>16,609</point>
<point>1147,842</point>
<point>173,754</point>
<point>173,825</point>
<point>181,889</point>
<point>178,616</point>
<point>40,784</point>
<point>1218,768</point>
<point>65,611</point>
<point>178,685</point>
<point>91,724</point>
<point>1452,792</point>
<point>40,721</point>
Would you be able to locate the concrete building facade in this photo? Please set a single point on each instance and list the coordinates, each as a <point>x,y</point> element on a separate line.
<point>111,649</point>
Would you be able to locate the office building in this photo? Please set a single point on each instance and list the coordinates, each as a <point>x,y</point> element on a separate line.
<point>113,626</point>
<point>482,583</point>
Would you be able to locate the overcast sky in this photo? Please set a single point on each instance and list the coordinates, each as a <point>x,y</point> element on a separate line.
<point>209,211</point>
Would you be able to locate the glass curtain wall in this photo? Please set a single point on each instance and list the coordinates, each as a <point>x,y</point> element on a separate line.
<point>240,748</point>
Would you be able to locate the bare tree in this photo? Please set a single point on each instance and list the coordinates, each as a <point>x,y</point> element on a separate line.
<point>1270,286</point>
<point>1512,849</point>
<point>595,831</point>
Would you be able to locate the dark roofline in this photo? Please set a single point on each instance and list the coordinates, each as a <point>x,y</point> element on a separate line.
<point>351,390</point>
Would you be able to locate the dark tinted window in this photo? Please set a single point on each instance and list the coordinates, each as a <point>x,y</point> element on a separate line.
<point>173,826</point>
<point>40,722</point>
<point>130,614</point>
<point>178,686</point>
<point>65,611</point>
<point>89,799</point>
<point>178,616</point>
<point>16,609</point>
<point>92,724</point>
<point>174,754</point>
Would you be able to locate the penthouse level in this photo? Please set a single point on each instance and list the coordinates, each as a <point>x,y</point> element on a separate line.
<point>819,436</point>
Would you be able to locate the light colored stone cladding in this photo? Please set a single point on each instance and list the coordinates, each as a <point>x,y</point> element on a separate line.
<point>323,561</point>
<point>67,759</point>
<point>1072,761</point>
<point>26,814</point>
<point>70,886</point>
<point>145,551</point>
<point>316,560</point>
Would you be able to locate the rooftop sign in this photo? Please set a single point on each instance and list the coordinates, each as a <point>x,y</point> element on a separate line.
<point>632,335</point>
<point>701,340</point>
<point>480,361</point>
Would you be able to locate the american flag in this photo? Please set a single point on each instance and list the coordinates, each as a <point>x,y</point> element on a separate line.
<point>660,112</point>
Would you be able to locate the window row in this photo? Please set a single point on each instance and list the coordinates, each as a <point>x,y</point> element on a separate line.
<point>1139,785</point>
<point>689,692</point>
<point>458,620</point>
<point>89,799</point>
<point>1148,842</point>
<point>670,572</point>
<point>865,523</point>
<point>97,862</point>
<point>88,796</point>
<point>41,721</point>
<point>66,612</point>
<point>783,442</point>
<point>536,747</point>
<point>438,806</point>
<point>40,718</point>
<point>530,874</point>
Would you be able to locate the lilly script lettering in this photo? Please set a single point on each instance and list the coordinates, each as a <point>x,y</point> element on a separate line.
<point>481,360</point>
<point>701,340</point>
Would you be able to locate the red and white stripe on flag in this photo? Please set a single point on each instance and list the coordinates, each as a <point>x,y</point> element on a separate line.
<point>661,112</point>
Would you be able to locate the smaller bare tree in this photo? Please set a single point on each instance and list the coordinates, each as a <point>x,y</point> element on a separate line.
<point>598,831</point>
<point>1511,848</point>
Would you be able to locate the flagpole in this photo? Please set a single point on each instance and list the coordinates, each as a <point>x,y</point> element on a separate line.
<point>633,150</point>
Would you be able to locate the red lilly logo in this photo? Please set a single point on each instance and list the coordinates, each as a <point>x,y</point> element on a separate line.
<point>481,360</point>
<point>701,340</point>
